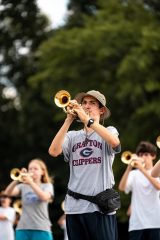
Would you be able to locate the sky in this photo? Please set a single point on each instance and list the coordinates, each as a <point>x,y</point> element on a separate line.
<point>55,9</point>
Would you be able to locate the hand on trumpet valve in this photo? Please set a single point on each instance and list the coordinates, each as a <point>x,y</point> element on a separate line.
<point>20,175</point>
<point>137,162</point>
<point>71,108</point>
<point>133,160</point>
<point>26,176</point>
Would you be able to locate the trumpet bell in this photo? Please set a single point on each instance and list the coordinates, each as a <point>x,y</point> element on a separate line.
<point>15,174</point>
<point>62,98</point>
<point>126,157</point>
<point>158,141</point>
<point>62,205</point>
<point>17,205</point>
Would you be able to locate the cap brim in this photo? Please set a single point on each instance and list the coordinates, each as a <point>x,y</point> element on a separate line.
<point>79,97</point>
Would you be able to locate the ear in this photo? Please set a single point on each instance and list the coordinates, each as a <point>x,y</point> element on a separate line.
<point>153,157</point>
<point>102,110</point>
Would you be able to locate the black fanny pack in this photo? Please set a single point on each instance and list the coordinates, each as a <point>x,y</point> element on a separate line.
<point>108,200</point>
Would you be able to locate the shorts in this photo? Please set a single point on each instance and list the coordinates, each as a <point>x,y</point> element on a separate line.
<point>33,235</point>
<point>145,234</point>
<point>95,226</point>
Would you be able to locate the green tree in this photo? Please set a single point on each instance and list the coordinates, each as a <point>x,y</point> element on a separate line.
<point>78,10</point>
<point>22,28</point>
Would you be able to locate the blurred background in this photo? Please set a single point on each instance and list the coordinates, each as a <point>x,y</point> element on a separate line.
<point>108,45</point>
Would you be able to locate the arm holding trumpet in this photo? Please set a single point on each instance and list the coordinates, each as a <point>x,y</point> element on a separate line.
<point>17,176</point>
<point>132,161</point>
<point>55,148</point>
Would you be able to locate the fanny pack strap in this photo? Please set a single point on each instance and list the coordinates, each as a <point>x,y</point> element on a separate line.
<point>82,196</point>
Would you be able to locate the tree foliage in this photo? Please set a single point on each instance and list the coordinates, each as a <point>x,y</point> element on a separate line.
<point>23,28</point>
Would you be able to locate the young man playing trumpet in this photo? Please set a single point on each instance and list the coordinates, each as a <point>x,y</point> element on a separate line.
<point>90,154</point>
<point>144,219</point>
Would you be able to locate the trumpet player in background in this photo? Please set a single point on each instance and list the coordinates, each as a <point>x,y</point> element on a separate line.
<point>90,154</point>
<point>7,217</point>
<point>36,191</point>
<point>144,221</point>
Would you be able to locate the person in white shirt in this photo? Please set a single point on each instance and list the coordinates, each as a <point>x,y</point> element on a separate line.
<point>144,219</point>
<point>7,218</point>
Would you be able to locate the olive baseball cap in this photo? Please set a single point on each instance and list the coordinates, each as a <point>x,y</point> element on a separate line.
<point>99,96</point>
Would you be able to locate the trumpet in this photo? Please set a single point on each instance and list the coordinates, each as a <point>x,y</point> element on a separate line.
<point>17,205</point>
<point>158,141</point>
<point>15,174</point>
<point>62,99</point>
<point>126,158</point>
<point>62,205</point>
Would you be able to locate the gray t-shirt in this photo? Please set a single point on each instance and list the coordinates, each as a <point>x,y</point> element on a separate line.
<point>35,213</point>
<point>90,167</point>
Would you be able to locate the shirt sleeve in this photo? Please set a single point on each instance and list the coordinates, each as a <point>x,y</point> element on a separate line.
<point>48,187</point>
<point>66,147</point>
<point>114,131</point>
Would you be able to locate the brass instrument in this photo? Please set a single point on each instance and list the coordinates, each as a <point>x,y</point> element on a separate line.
<point>62,99</point>
<point>15,174</point>
<point>126,157</point>
<point>17,205</point>
<point>158,141</point>
<point>62,205</point>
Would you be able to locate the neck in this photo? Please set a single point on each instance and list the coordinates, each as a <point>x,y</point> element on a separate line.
<point>88,130</point>
<point>148,166</point>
